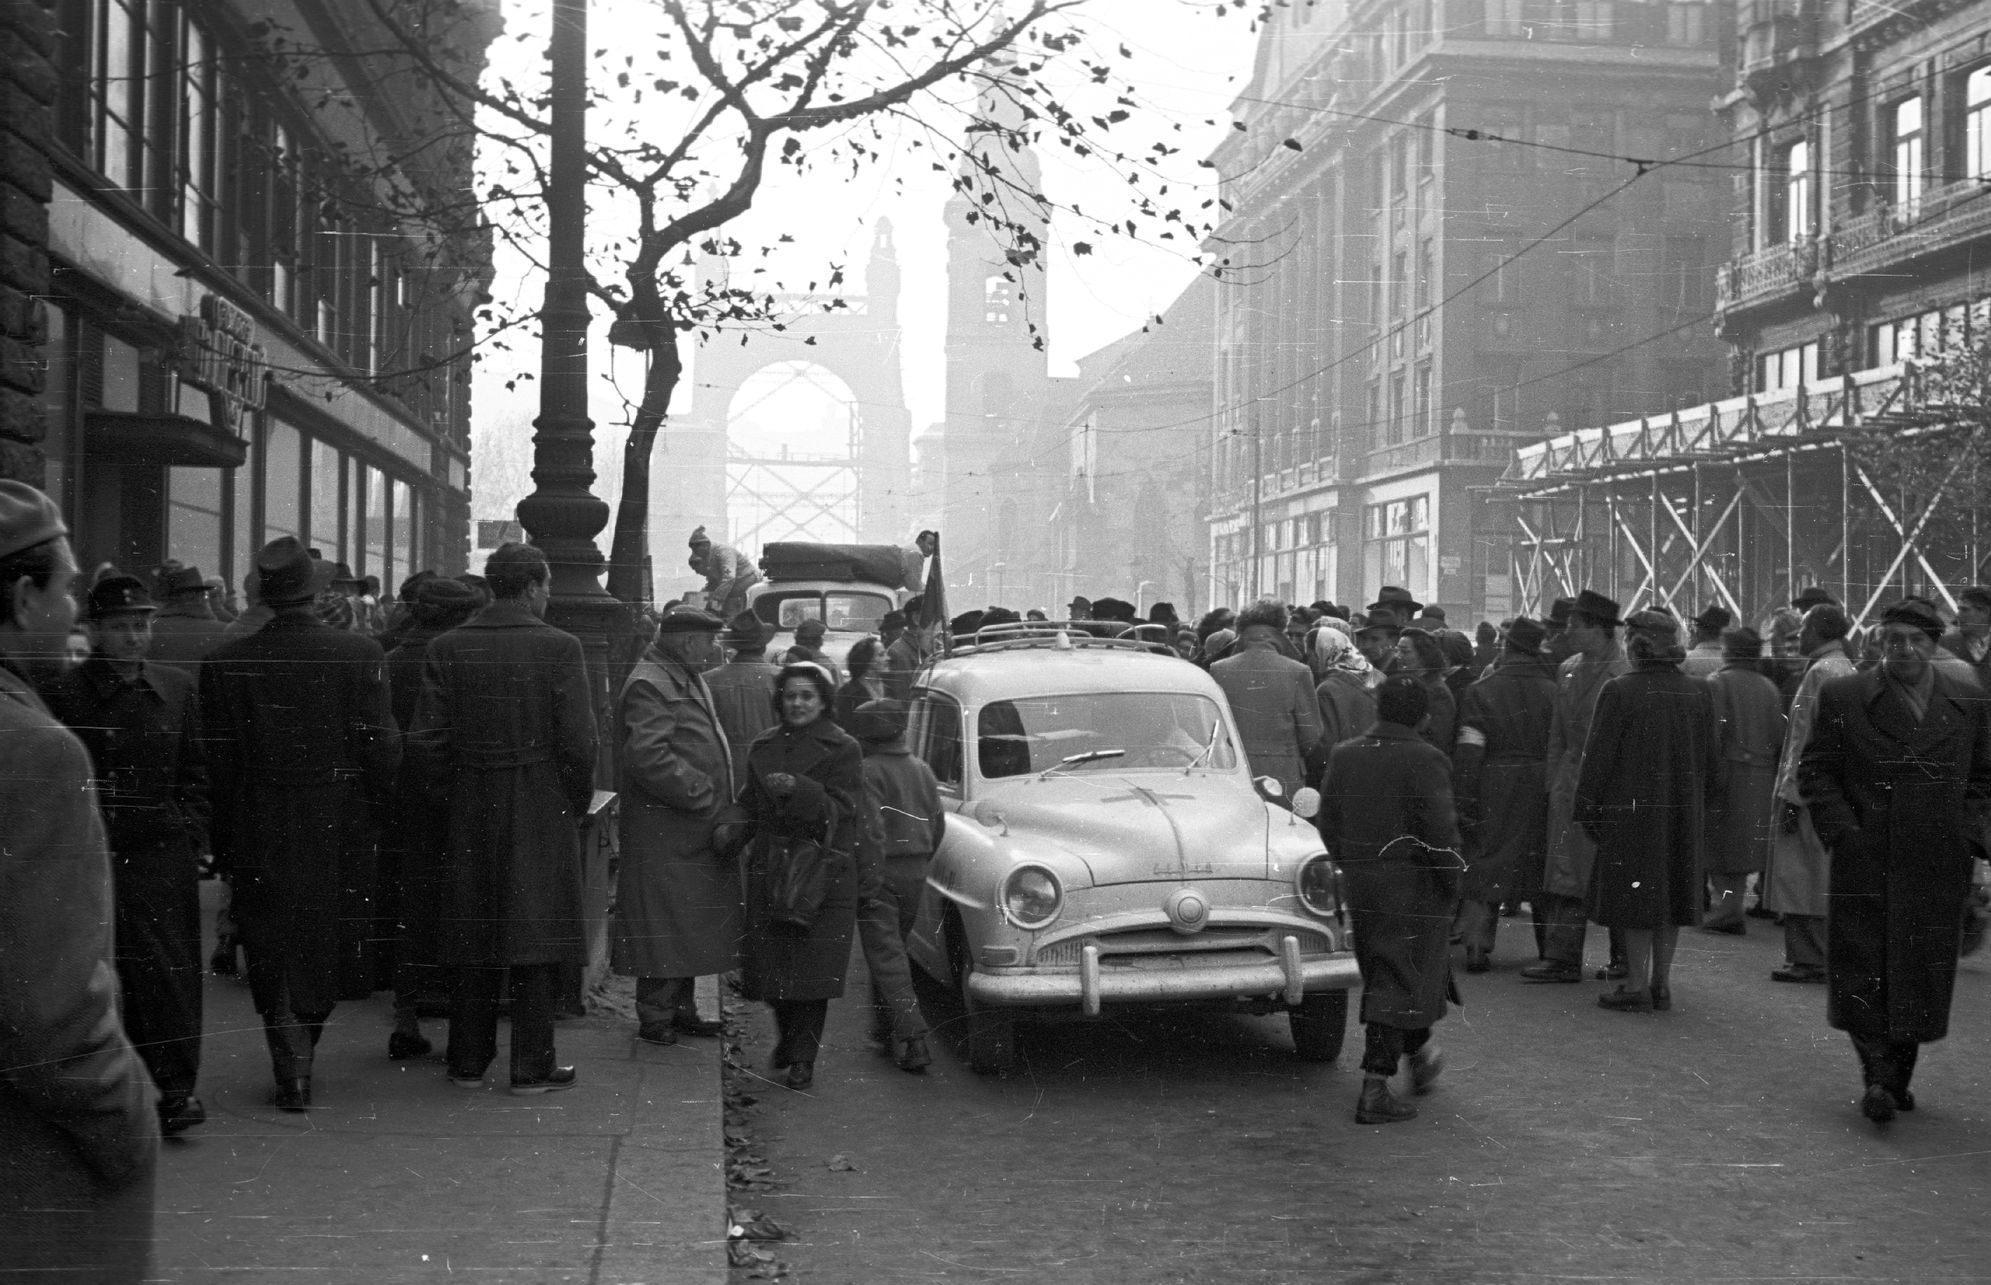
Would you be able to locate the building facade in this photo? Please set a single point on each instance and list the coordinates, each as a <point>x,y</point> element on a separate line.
<point>1448,237</point>
<point>256,324</point>
<point>1857,305</point>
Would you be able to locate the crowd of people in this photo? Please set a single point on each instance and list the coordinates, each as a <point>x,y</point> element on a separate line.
<point>394,797</point>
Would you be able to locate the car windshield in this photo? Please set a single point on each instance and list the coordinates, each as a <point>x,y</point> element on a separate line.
<point>857,613</point>
<point>1102,731</point>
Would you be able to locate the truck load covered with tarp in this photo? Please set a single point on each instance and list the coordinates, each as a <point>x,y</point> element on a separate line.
<point>879,564</point>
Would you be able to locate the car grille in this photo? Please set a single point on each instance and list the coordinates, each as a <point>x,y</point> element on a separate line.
<point>1127,948</point>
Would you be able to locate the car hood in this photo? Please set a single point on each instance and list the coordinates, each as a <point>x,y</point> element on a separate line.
<point>1143,827</point>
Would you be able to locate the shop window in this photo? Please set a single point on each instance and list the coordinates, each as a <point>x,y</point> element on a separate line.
<point>375,544</point>
<point>1397,545</point>
<point>327,478</point>
<point>193,517</point>
<point>283,481</point>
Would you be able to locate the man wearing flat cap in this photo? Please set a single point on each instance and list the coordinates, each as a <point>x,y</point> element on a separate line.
<point>1501,768</point>
<point>505,727</point>
<point>79,1139</point>
<point>680,908</point>
<point>1897,774</point>
<point>301,748</point>
<point>141,724</point>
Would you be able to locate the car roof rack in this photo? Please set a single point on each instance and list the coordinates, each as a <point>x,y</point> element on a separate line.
<point>1059,635</point>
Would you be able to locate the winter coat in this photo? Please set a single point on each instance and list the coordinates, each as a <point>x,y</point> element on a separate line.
<point>1347,707</point>
<point>1648,768</point>
<point>1387,817</point>
<point>679,907</point>
<point>1441,724</point>
<point>911,820</point>
<point>1896,802</point>
<point>506,732</point>
<point>829,788</point>
<point>78,1136</point>
<point>301,750</point>
<point>1566,871</point>
<point>1749,735</point>
<point>184,631</point>
<point>1798,869</point>
<point>1278,716</point>
<point>743,697</point>
<point>1502,777</point>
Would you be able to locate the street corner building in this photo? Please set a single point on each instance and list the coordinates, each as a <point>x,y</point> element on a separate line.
<point>236,320</point>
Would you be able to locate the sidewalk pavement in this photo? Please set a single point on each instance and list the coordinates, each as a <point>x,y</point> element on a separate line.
<point>397,1175</point>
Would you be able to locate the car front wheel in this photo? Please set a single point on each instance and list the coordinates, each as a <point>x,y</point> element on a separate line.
<point>1319,1025</point>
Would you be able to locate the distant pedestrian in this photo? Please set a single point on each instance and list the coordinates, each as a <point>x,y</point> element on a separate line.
<point>1899,760</point>
<point>184,629</point>
<point>1272,699</point>
<point>1648,769</point>
<point>808,649</point>
<point>1749,736</point>
<point>903,812</point>
<point>805,783</point>
<point>1797,872</point>
<point>1420,655</point>
<point>301,747</point>
<point>506,728</point>
<point>1501,775</point>
<point>743,687</point>
<point>679,908</point>
<point>1387,817</point>
<point>79,1136</point>
<point>141,723</point>
<point>1345,692</point>
<point>1705,657</point>
<point>865,680</point>
<point>1970,641</point>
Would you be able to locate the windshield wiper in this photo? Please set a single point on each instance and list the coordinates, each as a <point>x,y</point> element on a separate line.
<point>1073,760</point>
<point>1216,730</point>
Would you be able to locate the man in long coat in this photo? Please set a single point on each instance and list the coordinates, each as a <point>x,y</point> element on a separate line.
<point>1897,774</point>
<point>1749,731</point>
<point>1387,817</point>
<point>1501,774</point>
<point>1641,797</point>
<point>1797,871</point>
<point>743,688</point>
<point>680,908</point>
<point>185,629</point>
<point>1272,698</point>
<point>141,724</point>
<point>79,1140</point>
<point>506,729</point>
<point>301,747</point>
<point>1591,633</point>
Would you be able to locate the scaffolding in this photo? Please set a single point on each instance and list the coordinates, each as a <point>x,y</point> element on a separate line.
<point>1743,502</point>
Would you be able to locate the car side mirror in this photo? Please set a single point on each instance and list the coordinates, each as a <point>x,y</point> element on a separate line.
<point>1306,803</point>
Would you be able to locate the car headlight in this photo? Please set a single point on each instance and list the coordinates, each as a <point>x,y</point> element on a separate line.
<point>1319,885</point>
<point>1031,896</point>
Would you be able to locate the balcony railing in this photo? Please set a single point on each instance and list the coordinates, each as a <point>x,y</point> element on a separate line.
<point>1940,218</point>
<point>1768,272</point>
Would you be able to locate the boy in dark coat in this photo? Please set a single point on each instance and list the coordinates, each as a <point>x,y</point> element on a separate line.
<point>1387,817</point>
<point>902,808</point>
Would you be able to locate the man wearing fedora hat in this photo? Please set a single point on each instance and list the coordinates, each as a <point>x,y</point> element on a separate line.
<point>743,688</point>
<point>77,1121</point>
<point>1597,659</point>
<point>1501,765</point>
<point>679,904</point>
<point>184,629</point>
<point>141,724</point>
<point>302,747</point>
<point>1897,774</point>
<point>505,728</point>
<point>1704,658</point>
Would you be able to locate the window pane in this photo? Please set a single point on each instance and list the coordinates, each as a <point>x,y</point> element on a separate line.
<point>399,547</point>
<point>327,469</point>
<point>193,517</point>
<point>282,481</point>
<point>376,524</point>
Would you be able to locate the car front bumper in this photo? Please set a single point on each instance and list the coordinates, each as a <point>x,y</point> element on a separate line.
<point>1166,979</point>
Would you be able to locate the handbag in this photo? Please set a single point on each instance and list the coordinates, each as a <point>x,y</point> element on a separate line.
<point>798,881</point>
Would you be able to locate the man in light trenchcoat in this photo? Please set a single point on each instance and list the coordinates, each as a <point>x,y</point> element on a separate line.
<point>1796,872</point>
<point>679,902</point>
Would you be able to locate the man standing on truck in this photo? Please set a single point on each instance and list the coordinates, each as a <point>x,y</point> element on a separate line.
<point>728,575</point>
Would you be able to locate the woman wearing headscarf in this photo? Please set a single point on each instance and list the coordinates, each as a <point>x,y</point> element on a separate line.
<point>805,779</point>
<point>1347,703</point>
<point>1419,654</point>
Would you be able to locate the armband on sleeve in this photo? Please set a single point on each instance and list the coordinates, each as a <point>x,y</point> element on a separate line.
<point>1472,736</point>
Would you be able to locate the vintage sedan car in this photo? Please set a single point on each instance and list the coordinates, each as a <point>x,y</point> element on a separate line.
<point>1107,845</point>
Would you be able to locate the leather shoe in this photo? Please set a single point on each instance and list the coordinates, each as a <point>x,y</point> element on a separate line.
<point>402,1045</point>
<point>1797,973</point>
<point>801,1075</point>
<point>657,1033</point>
<point>293,1094</point>
<point>1551,970</point>
<point>1615,971</point>
<point>692,1024</point>
<point>1903,1099</point>
<point>912,1054</point>
<point>1877,1104</point>
<point>560,1077</point>
<point>1378,1105</point>
<point>1425,1066</point>
<point>1624,1001</point>
<point>1662,999</point>
<point>179,1114</point>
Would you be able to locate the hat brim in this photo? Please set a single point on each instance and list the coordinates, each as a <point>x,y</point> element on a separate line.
<point>320,581</point>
